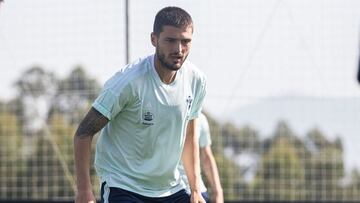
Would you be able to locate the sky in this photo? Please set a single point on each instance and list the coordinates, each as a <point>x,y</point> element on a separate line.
<point>250,50</point>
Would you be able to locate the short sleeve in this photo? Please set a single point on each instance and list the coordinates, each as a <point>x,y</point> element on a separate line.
<point>204,131</point>
<point>198,100</point>
<point>110,104</point>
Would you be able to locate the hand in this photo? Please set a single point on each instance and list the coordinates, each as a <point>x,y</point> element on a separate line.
<point>196,197</point>
<point>85,197</point>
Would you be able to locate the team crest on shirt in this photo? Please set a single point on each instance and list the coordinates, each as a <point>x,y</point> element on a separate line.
<point>189,101</point>
<point>147,118</point>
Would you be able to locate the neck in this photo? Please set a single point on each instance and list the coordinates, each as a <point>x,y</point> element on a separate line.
<point>166,76</point>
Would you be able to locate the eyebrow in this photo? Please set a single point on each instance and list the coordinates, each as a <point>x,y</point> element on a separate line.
<point>181,39</point>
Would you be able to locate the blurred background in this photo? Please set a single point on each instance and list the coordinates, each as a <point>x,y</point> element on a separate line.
<point>282,101</point>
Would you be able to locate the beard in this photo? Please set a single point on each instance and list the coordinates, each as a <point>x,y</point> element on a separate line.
<point>167,64</point>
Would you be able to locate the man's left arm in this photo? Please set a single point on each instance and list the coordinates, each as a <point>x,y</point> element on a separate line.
<point>212,174</point>
<point>191,162</point>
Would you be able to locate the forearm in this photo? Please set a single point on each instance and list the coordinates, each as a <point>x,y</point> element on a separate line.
<point>214,182</point>
<point>211,171</point>
<point>82,150</point>
<point>191,168</point>
<point>89,126</point>
<point>190,157</point>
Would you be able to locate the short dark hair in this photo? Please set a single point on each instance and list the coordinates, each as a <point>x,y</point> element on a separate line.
<point>173,16</point>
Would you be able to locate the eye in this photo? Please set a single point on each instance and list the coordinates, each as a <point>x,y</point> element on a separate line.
<point>185,41</point>
<point>170,40</point>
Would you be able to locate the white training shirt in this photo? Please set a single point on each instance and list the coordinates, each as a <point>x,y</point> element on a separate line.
<point>140,148</point>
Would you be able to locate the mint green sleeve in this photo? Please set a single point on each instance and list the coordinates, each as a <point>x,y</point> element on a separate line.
<point>204,131</point>
<point>198,99</point>
<point>110,104</point>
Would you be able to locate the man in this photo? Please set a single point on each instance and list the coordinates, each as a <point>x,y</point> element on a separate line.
<point>208,164</point>
<point>147,112</point>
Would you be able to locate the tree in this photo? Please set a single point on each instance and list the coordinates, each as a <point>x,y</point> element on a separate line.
<point>352,189</point>
<point>324,168</point>
<point>43,137</point>
<point>36,89</point>
<point>318,138</point>
<point>244,139</point>
<point>281,175</point>
<point>75,94</point>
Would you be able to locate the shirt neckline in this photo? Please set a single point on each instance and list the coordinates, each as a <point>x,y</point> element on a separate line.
<point>157,77</point>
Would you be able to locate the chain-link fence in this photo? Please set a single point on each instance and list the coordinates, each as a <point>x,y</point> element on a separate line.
<point>295,147</point>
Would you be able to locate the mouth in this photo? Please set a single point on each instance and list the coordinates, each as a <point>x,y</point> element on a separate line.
<point>177,58</point>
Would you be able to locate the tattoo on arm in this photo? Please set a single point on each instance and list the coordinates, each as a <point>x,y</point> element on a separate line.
<point>91,124</point>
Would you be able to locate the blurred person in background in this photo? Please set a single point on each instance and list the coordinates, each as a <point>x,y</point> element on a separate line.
<point>147,113</point>
<point>208,164</point>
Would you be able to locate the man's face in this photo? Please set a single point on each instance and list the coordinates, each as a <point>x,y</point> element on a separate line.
<point>172,46</point>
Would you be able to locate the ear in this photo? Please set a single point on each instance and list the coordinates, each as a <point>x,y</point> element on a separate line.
<point>154,39</point>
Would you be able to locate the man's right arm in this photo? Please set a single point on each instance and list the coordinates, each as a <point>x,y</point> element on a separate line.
<point>93,122</point>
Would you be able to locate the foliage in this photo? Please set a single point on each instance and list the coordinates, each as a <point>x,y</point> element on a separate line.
<point>75,94</point>
<point>79,83</point>
<point>281,175</point>
<point>10,143</point>
<point>243,139</point>
<point>36,81</point>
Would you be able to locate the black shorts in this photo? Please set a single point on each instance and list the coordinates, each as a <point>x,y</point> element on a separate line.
<point>118,195</point>
<point>205,195</point>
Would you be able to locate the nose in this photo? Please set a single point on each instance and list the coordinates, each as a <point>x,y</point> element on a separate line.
<point>178,47</point>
